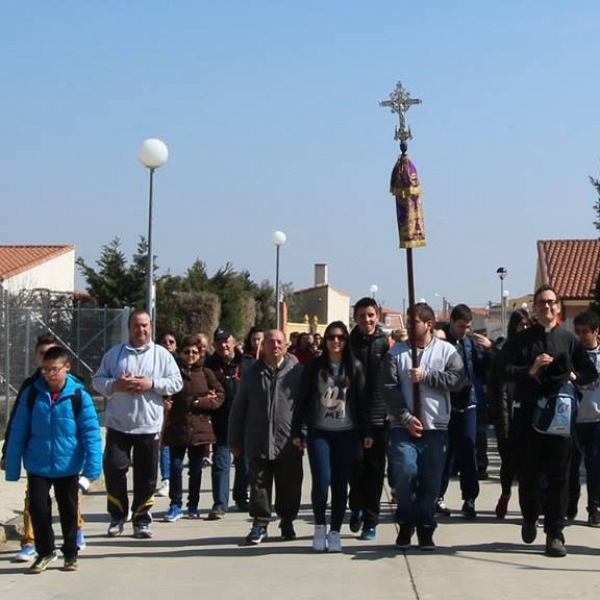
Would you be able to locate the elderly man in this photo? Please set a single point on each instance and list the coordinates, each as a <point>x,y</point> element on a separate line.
<point>134,377</point>
<point>260,424</point>
<point>541,360</point>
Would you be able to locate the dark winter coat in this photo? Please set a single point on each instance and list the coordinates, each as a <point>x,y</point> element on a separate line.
<point>189,420</point>
<point>369,350</point>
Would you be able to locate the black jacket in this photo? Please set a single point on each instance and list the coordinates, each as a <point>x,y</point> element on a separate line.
<point>369,350</point>
<point>228,374</point>
<point>569,356</point>
<point>307,406</point>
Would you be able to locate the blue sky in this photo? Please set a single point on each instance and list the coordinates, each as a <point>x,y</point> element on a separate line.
<point>270,112</point>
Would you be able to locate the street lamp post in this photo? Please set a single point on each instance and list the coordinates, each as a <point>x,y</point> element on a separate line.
<point>152,154</point>
<point>501,271</point>
<point>278,240</point>
<point>373,289</point>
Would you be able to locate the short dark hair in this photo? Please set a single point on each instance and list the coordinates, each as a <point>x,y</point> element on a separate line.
<point>364,303</point>
<point>461,312</point>
<point>421,311</point>
<point>545,288</point>
<point>135,313</point>
<point>46,339</point>
<point>587,318</point>
<point>57,353</point>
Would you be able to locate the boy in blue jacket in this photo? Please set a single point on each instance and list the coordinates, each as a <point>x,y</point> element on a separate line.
<point>57,437</point>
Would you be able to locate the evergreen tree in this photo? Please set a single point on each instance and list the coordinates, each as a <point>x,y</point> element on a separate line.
<point>595,303</point>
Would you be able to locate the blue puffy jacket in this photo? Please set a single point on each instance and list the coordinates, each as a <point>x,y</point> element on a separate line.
<point>50,440</point>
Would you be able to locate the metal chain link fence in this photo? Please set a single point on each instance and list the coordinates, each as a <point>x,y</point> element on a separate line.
<point>86,332</point>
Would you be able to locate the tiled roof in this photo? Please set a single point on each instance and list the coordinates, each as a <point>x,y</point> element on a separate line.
<point>571,267</point>
<point>16,259</point>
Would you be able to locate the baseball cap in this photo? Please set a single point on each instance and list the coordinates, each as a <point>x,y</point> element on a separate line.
<point>221,333</point>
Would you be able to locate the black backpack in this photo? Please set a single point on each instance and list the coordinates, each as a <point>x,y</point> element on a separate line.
<point>75,400</point>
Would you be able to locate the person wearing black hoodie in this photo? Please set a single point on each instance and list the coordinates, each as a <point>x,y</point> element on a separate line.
<point>369,344</point>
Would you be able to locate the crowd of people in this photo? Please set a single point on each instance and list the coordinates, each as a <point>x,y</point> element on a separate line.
<point>353,400</point>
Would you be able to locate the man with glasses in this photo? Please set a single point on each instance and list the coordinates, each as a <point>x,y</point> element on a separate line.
<point>134,377</point>
<point>541,360</point>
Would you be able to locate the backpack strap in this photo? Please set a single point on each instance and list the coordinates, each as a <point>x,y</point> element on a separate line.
<point>75,400</point>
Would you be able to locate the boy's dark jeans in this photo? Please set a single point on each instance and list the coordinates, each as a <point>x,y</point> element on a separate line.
<point>40,508</point>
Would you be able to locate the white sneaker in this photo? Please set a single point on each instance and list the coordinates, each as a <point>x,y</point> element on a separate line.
<point>333,541</point>
<point>319,543</point>
<point>163,489</point>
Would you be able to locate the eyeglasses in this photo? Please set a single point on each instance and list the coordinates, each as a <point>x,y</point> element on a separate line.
<point>53,370</point>
<point>546,301</point>
<point>169,342</point>
<point>332,336</point>
<point>191,352</point>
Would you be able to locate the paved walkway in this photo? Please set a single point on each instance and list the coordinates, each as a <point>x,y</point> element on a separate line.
<point>475,560</point>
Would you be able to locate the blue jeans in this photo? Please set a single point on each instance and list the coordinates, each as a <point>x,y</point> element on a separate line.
<point>331,455</point>
<point>462,433</point>
<point>221,463</point>
<point>417,465</point>
<point>165,463</point>
<point>195,456</point>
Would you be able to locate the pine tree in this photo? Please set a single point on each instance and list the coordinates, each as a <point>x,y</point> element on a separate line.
<point>595,303</point>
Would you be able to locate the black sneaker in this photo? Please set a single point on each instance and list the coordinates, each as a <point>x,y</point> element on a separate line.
<point>287,530</point>
<point>70,564</point>
<point>116,527</point>
<point>425,537</point>
<point>594,518</point>
<point>215,514</point>
<point>257,534</point>
<point>468,509</point>
<point>41,563</point>
<point>555,547</point>
<point>441,508</point>
<point>529,531</point>
<point>356,520</point>
<point>404,536</point>
<point>572,509</point>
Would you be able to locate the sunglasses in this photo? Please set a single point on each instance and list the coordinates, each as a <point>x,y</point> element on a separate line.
<point>170,342</point>
<point>332,336</point>
<point>191,352</point>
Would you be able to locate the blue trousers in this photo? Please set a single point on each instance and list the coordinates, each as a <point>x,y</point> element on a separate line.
<point>462,435</point>
<point>417,465</point>
<point>221,464</point>
<point>331,455</point>
<point>165,463</point>
<point>195,456</point>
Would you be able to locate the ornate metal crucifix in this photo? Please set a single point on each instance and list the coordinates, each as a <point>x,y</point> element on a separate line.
<point>399,102</point>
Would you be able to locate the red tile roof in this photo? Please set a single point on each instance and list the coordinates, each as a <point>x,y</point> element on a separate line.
<point>16,259</point>
<point>571,267</point>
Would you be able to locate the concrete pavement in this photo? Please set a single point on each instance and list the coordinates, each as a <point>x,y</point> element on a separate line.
<point>476,560</point>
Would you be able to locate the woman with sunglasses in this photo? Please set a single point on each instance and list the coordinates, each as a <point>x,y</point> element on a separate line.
<point>189,427</point>
<point>332,408</point>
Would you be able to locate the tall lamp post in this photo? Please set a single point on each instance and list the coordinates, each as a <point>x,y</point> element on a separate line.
<point>278,240</point>
<point>153,154</point>
<point>501,271</point>
<point>373,289</point>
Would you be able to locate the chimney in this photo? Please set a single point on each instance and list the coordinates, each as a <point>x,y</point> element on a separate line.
<point>320,274</point>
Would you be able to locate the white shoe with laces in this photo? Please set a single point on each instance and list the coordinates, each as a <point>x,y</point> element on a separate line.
<point>334,543</point>
<point>163,489</point>
<point>319,543</point>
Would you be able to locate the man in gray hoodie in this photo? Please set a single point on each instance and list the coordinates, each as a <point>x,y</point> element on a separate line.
<point>134,377</point>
